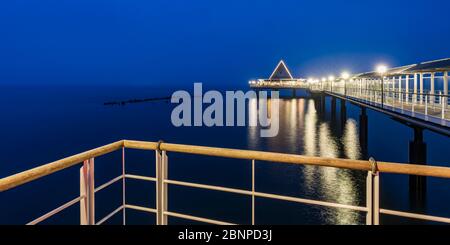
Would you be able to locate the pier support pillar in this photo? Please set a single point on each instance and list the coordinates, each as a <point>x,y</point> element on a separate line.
<point>343,116</point>
<point>333,108</point>
<point>322,100</point>
<point>317,102</point>
<point>322,104</point>
<point>257,93</point>
<point>363,132</point>
<point>417,184</point>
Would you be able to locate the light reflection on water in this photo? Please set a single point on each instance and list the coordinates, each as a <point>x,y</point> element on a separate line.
<point>303,131</point>
<point>351,140</point>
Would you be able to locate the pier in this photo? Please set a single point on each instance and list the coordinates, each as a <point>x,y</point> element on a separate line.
<point>407,93</point>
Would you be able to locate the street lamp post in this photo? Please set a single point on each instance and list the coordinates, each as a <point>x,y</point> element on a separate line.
<point>345,88</point>
<point>345,75</point>
<point>382,69</point>
<point>331,79</point>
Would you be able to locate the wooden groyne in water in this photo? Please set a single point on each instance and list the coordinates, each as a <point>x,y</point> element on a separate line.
<point>132,101</point>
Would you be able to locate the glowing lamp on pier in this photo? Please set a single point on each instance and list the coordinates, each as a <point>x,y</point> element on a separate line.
<point>330,78</point>
<point>345,75</point>
<point>381,69</point>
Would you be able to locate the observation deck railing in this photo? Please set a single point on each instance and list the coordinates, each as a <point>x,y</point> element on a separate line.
<point>88,189</point>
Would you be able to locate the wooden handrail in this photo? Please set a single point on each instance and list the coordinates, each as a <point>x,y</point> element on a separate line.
<point>47,169</point>
<point>140,145</point>
<point>386,167</point>
<point>364,165</point>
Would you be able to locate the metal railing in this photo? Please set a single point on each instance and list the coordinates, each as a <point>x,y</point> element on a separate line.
<point>88,189</point>
<point>279,84</point>
<point>429,106</point>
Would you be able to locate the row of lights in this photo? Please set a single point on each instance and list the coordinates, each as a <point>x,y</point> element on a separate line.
<point>380,69</point>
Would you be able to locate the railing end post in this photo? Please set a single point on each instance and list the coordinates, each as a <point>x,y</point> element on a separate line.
<point>161,187</point>
<point>87,191</point>
<point>373,194</point>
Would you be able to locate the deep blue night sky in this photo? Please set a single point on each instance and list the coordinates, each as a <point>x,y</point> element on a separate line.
<point>178,42</point>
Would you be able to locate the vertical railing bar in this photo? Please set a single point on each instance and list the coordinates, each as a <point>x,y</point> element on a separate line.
<point>442,105</point>
<point>124,217</point>
<point>83,192</point>
<point>373,194</point>
<point>369,195</point>
<point>253,192</point>
<point>164,187</point>
<point>401,101</point>
<point>91,192</point>
<point>158,186</point>
<point>376,197</point>
<point>87,189</point>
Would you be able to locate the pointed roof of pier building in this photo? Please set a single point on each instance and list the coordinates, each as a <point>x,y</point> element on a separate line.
<point>281,72</point>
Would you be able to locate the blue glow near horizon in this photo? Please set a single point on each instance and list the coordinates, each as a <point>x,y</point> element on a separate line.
<point>162,42</point>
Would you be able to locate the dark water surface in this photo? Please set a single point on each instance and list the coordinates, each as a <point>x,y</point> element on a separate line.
<point>43,124</point>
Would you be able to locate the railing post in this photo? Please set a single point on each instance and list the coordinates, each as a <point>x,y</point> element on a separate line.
<point>158,187</point>
<point>407,89</point>
<point>83,193</point>
<point>124,217</point>
<point>401,101</point>
<point>164,171</point>
<point>376,198</point>
<point>87,187</point>
<point>442,105</point>
<point>432,102</point>
<point>421,87</point>
<point>373,194</point>
<point>161,187</point>
<point>369,196</point>
<point>253,192</point>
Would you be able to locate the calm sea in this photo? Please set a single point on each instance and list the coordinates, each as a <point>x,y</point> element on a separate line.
<point>44,123</point>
